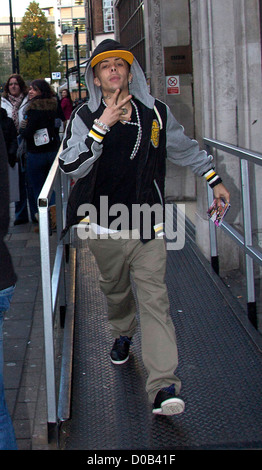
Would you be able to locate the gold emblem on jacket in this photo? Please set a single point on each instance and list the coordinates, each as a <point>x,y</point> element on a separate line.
<point>155,133</point>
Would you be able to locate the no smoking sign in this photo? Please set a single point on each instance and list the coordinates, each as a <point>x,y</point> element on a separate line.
<point>172,85</point>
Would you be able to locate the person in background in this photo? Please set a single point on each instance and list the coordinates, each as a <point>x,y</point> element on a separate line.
<point>7,286</point>
<point>13,101</point>
<point>10,136</point>
<point>39,130</point>
<point>116,146</point>
<point>60,122</point>
<point>66,104</point>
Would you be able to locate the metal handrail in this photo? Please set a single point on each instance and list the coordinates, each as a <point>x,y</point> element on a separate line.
<point>253,157</point>
<point>252,253</point>
<point>53,278</point>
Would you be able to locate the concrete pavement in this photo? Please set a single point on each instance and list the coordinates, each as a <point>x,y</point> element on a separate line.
<point>24,366</point>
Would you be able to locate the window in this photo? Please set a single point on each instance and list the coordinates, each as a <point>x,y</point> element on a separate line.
<point>70,53</point>
<point>108,14</point>
<point>68,26</point>
<point>131,27</point>
<point>69,3</point>
<point>80,23</point>
<point>82,51</point>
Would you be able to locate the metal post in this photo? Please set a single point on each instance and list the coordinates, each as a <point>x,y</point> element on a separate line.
<point>17,62</point>
<point>212,235</point>
<point>66,57</point>
<point>89,29</point>
<point>49,58</point>
<point>78,62</point>
<point>59,226</point>
<point>251,303</point>
<point>48,312</point>
<point>212,230</point>
<point>12,37</point>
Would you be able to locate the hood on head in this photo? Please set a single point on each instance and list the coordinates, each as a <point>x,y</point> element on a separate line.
<point>138,88</point>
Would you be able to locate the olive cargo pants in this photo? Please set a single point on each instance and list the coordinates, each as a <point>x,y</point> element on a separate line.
<point>117,258</point>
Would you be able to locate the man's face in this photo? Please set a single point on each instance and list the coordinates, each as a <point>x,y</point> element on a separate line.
<point>112,73</point>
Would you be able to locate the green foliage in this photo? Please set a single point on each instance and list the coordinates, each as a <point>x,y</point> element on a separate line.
<point>36,42</point>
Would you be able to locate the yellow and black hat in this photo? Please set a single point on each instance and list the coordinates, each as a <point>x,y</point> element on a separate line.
<point>110,48</point>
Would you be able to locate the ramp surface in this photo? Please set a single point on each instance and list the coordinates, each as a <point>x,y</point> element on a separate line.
<point>220,365</point>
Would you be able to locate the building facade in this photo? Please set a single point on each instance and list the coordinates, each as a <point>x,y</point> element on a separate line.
<point>79,24</point>
<point>211,49</point>
<point>83,24</point>
<point>5,50</point>
<point>7,64</point>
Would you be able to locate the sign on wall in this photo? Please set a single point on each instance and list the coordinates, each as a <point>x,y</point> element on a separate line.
<point>178,60</point>
<point>172,85</point>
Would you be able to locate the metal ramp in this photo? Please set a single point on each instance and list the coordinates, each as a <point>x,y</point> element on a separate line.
<point>220,367</point>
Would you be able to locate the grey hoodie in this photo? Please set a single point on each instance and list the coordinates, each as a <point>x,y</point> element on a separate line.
<point>80,152</point>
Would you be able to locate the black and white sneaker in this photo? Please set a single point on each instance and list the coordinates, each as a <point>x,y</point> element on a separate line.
<point>120,350</point>
<point>167,403</point>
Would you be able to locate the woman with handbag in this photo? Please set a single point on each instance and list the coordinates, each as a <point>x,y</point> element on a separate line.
<point>38,129</point>
<point>14,101</point>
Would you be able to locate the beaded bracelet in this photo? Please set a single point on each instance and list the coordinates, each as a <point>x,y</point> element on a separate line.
<point>102,125</point>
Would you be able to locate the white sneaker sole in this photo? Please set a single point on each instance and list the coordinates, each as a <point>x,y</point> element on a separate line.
<point>172,406</point>
<point>119,362</point>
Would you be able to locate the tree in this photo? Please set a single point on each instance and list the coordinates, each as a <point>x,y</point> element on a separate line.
<point>36,41</point>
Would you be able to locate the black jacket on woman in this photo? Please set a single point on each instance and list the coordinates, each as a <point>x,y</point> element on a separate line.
<point>7,273</point>
<point>10,136</point>
<point>41,113</point>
